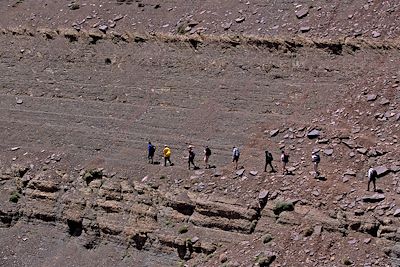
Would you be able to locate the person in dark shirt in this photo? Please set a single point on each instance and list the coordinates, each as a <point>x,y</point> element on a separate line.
<point>151,150</point>
<point>207,154</point>
<point>268,161</point>
<point>191,157</point>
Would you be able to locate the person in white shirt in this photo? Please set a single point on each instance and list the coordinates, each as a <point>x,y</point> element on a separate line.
<point>372,175</point>
<point>235,156</point>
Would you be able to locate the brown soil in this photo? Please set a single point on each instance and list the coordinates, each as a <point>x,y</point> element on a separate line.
<point>73,101</point>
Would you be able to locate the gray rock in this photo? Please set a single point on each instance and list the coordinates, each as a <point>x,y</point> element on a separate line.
<point>350,173</point>
<point>305,29</point>
<point>263,198</point>
<point>371,97</point>
<point>240,172</point>
<point>103,28</point>
<point>20,101</point>
<point>396,213</point>
<point>119,17</point>
<point>218,173</point>
<point>263,195</point>
<point>373,198</point>
<point>315,193</point>
<point>226,26</point>
<point>384,101</point>
<point>317,230</point>
<point>349,143</point>
<point>395,168</point>
<point>223,258</point>
<point>302,13</point>
<point>382,171</point>
<point>372,153</point>
<point>194,239</point>
<point>274,132</point>
<point>397,117</point>
<point>254,173</point>
<point>328,152</point>
<point>389,114</point>
<point>362,151</point>
<point>313,134</point>
<point>240,20</point>
<point>367,240</point>
<point>376,34</point>
<point>73,6</point>
<point>266,258</point>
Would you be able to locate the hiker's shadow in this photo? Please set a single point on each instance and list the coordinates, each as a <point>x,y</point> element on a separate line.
<point>321,178</point>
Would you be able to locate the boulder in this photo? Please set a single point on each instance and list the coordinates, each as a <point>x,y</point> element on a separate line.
<point>274,132</point>
<point>103,28</point>
<point>317,230</point>
<point>349,173</point>
<point>362,151</point>
<point>263,197</point>
<point>349,143</point>
<point>301,13</point>
<point>240,172</point>
<point>382,171</point>
<point>384,101</point>
<point>396,213</point>
<point>328,152</point>
<point>376,34</point>
<point>371,97</point>
<point>254,173</point>
<point>305,29</point>
<point>313,134</point>
<point>266,259</point>
<point>395,168</point>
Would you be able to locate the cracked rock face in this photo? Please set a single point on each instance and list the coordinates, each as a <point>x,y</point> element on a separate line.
<point>85,88</point>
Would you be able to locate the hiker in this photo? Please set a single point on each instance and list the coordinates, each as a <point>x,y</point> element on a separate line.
<point>268,161</point>
<point>235,156</point>
<point>151,149</point>
<point>315,158</point>
<point>207,154</point>
<point>284,160</point>
<point>372,175</point>
<point>167,155</point>
<point>191,157</point>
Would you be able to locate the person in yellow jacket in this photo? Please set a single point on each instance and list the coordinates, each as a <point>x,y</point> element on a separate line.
<point>167,155</point>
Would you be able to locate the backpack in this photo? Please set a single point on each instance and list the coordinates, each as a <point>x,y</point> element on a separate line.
<point>237,152</point>
<point>316,158</point>
<point>153,149</point>
<point>208,152</point>
<point>374,174</point>
<point>285,158</point>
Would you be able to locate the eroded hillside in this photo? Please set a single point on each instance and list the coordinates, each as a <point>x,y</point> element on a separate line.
<point>79,105</point>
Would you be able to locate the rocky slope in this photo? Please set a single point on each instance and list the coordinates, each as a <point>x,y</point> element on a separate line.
<point>80,101</point>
